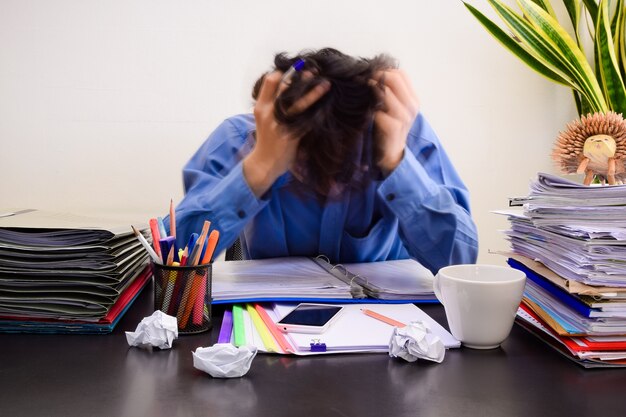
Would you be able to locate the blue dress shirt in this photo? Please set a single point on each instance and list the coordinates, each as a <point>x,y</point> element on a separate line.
<point>421,210</point>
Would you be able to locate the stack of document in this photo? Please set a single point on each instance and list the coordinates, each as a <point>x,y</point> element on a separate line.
<point>570,240</point>
<point>64,273</point>
<point>314,279</point>
<point>352,332</point>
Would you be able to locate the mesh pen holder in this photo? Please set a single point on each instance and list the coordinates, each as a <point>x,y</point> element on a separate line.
<point>185,293</point>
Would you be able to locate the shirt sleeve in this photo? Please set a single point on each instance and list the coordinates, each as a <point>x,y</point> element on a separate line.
<point>215,187</point>
<point>431,203</point>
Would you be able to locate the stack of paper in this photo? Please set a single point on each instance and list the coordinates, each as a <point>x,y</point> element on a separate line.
<point>570,240</point>
<point>352,332</point>
<point>65,273</point>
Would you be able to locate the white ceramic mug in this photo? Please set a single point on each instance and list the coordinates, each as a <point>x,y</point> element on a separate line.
<point>480,302</point>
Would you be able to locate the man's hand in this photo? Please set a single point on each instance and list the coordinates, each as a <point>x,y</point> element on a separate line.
<point>393,121</point>
<point>275,149</point>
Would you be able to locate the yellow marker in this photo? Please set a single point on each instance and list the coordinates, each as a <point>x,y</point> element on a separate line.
<point>266,337</point>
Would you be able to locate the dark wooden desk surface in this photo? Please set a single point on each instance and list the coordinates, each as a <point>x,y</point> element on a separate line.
<point>80,375</point>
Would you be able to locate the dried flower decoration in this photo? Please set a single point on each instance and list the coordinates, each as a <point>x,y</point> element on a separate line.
<point>594,145</point>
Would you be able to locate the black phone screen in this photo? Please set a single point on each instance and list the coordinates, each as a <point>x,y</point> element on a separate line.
<point>310,315</point>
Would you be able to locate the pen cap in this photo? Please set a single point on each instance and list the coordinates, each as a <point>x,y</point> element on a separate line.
<point>185,293</point>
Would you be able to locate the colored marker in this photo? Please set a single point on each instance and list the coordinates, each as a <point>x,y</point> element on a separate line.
<point>156,236</point>
<point>211,244</point>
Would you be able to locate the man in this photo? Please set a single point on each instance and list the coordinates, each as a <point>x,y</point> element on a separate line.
<point>336,161</point>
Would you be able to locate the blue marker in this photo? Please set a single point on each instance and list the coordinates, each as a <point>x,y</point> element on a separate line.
<point>166,245</point>
<point>296,67</point>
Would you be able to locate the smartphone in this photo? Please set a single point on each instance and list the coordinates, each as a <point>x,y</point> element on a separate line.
<point>309,318</point>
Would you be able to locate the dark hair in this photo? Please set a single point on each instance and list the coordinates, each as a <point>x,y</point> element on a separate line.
<point>335,149</point>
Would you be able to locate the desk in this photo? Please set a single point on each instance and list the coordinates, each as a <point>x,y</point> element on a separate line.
<point>79,375</point>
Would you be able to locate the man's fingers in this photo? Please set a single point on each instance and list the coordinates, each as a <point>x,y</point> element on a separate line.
<point>309,98</point>
<point>282,86</point>
<point>269,87</point>
<point>398,82</point>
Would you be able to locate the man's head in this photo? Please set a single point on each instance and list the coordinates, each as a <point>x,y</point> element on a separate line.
<point>335,149</point>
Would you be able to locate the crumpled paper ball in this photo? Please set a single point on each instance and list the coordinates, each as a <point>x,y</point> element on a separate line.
<point>416,341</point>
<point>158,330</point>
<point>223,360</point>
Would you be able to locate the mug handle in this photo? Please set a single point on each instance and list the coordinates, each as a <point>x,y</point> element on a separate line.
<point>437,289</point>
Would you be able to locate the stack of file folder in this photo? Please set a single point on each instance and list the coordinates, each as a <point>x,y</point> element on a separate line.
<point>62,273</point>
<point>570,240</point>
<point>300,278</point>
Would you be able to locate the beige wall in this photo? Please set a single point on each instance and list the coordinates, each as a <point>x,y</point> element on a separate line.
<point>102,102</point>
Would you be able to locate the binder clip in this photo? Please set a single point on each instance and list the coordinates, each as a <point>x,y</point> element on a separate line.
<point>317,346</point>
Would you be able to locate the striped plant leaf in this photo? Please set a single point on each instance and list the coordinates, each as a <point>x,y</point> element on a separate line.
<point>592,7</point>
<point>573,10</point>
<point>514,46</point>
<point>616,18</point>
<point>540,41</point>
<point>558,38</point>
<point>545,5</point>
<point>542,48</point>
<point>618,28</point>
<point>622,44</point>
<point>612,81</point>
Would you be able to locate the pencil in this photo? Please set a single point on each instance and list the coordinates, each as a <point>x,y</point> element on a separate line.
<point>195,258</point>
<point>382,318</point>
<point>146,245</point>
<point>172,219</point>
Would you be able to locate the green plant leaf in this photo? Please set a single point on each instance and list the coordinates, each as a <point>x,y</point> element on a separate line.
<point>622,44</point>
<point>592,7</point>
<point>618,26</point>
<point>514,46</point>
<point>545,5</point>
<point>534,43</point>
<point>558,39</point>
<point>612,81</point>
<point>616,18</point>
<point>540,46</point>
<point>573,10</point>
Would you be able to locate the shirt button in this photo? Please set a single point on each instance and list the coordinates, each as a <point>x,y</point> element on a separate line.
<point>241,214</point>
<point>391,196</point>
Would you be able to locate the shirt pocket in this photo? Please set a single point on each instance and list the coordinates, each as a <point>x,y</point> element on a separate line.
<point>378,244</point>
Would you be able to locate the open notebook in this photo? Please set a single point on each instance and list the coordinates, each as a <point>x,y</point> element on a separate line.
<point>314,279</point>
<point>352,332</point>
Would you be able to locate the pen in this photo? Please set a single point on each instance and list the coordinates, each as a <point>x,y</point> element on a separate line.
<point>382,318</point>
<point>193,238</point>
<point>295,67</point>
<point>146,245</point>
